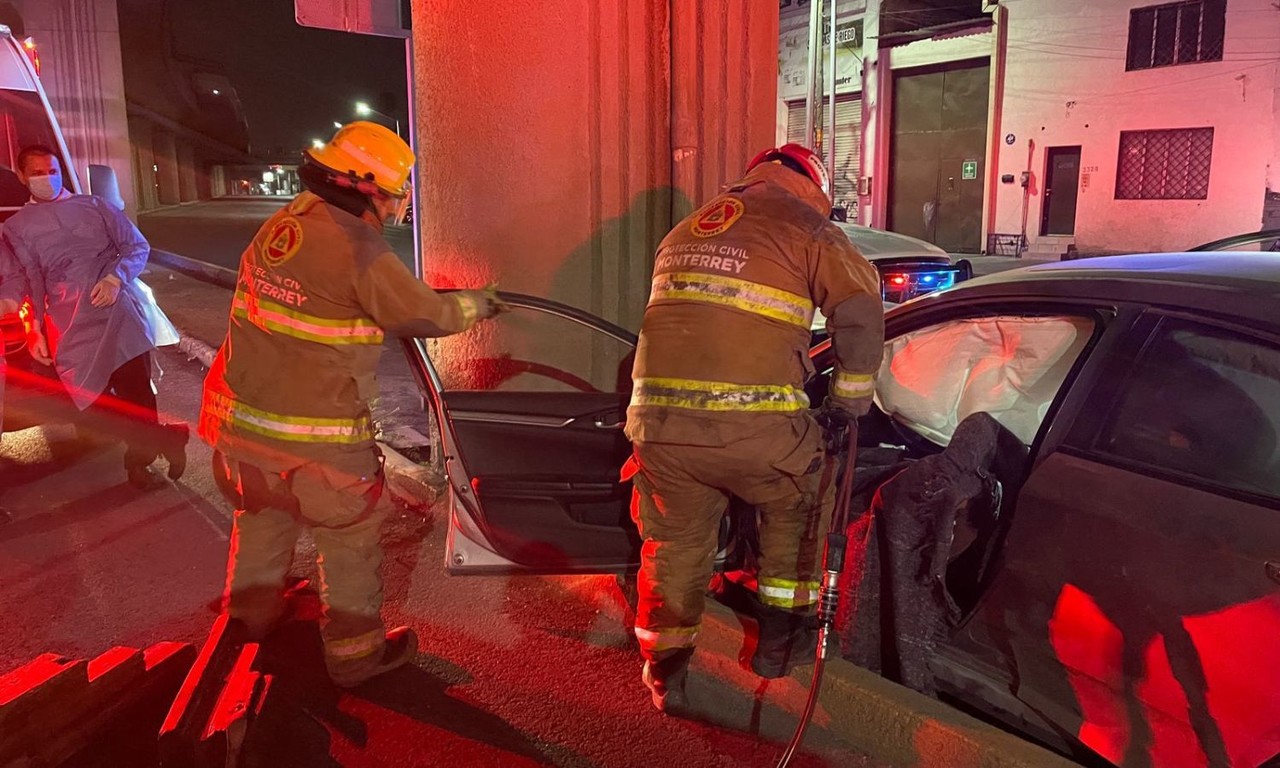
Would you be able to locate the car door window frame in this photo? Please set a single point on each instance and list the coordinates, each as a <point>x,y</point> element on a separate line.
<point>416,348</point>
<point>1086,432</point>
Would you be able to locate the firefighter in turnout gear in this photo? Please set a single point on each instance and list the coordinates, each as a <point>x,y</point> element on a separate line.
<point>287,399</point>
<point>718,406</point>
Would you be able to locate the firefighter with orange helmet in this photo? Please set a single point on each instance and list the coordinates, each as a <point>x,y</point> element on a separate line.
<point>718,406</point>
<point>287,400</point>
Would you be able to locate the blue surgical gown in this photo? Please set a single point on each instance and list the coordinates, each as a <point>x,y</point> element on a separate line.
<point>64,248</point>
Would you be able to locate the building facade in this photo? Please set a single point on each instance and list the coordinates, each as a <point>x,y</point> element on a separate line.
<point>1098,126</point>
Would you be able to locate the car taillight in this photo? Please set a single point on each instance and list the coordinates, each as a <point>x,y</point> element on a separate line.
<point>33,53</point>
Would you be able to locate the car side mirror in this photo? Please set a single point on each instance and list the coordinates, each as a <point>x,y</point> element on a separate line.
<point>104,184</point>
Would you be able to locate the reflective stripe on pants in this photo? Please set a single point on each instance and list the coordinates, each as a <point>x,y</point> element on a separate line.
<point>667,638</point>
<point>787,594</point>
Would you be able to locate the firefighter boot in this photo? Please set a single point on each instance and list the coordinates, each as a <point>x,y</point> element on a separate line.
<point>787,640</point>
<point>144,478</point>
<point>401,648</point>
<point>174,447</point>
<point>665,680</point>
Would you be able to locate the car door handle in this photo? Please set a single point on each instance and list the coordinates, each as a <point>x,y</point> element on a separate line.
<point>609,421</point>
<point>1273,570</point>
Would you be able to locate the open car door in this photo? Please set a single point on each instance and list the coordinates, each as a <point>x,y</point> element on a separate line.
<point>532,440</point>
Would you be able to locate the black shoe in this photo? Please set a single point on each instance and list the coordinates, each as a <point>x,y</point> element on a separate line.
<point>174,448</point>
<point>146,478</point>
<point>401,648</point>
<point>787,640</point>
<point>665,680</point>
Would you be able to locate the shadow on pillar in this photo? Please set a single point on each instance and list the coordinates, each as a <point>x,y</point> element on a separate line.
<point>613,268</point>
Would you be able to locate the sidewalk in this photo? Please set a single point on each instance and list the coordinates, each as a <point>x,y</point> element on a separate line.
<point>885,721</point>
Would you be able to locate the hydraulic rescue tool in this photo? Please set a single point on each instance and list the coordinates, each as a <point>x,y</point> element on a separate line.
<point>841,437</point>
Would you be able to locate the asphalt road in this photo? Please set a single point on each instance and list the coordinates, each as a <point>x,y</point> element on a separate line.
<point>217,231</point>
<point>512,671</point>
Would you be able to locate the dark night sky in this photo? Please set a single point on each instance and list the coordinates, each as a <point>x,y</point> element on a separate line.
<point>293,81</point>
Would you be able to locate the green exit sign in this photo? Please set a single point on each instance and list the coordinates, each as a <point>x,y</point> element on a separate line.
<point>969,170</point>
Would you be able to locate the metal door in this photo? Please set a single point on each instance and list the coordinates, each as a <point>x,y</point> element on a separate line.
<point>939,155</point>
<point>1061,191</point>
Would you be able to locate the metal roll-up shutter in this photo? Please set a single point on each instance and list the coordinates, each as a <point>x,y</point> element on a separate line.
<point>848,144</point>
<point>795,123</point>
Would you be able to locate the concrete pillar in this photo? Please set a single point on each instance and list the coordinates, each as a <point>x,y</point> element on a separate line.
<point>188,184</point>
<point>559,141</point>
<point>83,75</point>
<point>877,123</point>
<point>164,145</point>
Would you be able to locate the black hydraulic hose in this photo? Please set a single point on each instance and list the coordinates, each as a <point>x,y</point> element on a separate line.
<point>829,592</point>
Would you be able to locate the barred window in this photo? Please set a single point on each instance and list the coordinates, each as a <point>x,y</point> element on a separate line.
<point>1177,33</point>
<point>1164,165</point>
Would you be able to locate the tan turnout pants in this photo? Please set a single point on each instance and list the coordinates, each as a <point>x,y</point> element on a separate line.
<point>337,500</point>
<point>681,492</point>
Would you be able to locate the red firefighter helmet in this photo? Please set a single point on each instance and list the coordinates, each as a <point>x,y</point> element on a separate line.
<point>802,156</point>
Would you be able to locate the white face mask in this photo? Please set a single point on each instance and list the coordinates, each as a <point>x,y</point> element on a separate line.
<point>45,187</point>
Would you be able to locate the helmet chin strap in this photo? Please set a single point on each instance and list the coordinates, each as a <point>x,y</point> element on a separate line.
<point>350,180</point>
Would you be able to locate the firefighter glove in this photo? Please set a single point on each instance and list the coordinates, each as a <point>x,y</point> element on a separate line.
<point>837,416</point>
<point>492,304</point>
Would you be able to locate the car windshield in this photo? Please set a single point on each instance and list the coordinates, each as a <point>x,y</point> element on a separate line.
<point>23,121</point>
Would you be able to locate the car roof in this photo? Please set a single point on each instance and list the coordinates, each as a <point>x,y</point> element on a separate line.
<point>1237,284</point>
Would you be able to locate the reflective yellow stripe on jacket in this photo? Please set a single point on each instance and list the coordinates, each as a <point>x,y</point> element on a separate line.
<point>278,318</point>
<point>298,429</point>
<point>731,292</point>
<point>716,395</point>
<point>786,593</point>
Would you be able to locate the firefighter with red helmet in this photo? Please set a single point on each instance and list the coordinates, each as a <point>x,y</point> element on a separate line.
<point>287,400</point>
<point>718,406</point>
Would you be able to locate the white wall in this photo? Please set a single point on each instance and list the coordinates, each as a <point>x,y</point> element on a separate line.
<point>1273,168</point>
<point>1066,85</point>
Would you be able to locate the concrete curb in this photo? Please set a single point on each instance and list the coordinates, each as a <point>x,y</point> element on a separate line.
<point>415,485</point>
<point>883,720</point>
<point>209,273</point>
<point>892,723</point>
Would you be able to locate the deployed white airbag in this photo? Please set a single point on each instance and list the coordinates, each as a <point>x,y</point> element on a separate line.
<point>1010,367</point>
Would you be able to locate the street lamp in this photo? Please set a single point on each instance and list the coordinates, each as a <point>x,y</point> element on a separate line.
<point>317,144</point>
<point>364,110</point>
<point>337,124</point>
